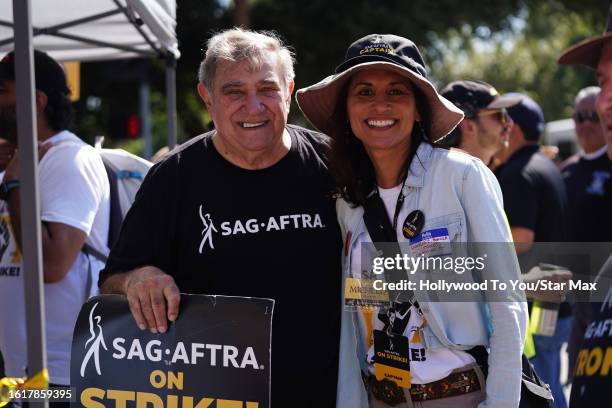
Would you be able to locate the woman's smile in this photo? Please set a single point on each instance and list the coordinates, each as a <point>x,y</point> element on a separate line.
<point>381,109</point>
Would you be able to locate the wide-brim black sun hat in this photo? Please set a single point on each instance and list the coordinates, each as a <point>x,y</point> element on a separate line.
<point>382,51</point>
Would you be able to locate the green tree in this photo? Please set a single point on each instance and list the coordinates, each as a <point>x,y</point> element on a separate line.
<point>321,30</point>
<point>510,43</point>
<point>523,58</point>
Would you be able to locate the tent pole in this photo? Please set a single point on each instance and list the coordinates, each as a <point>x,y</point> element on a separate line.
<point>145,118</point>
<point>30,204</point>
<point>171,99</point>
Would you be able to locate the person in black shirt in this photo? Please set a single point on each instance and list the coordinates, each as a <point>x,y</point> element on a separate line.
<point>591,386</point>
<point>589,188</point>
<point>589,179</point>
<point>535,199</point>
<point>535,202</point>
<point>243,210</point>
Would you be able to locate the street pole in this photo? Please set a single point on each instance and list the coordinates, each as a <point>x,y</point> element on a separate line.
<point>30,205</point>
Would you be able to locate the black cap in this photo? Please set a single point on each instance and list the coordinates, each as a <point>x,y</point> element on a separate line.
<point>384,47</point>
<point>50,77</point>
<point>472,96</point>
<point>528,115</point>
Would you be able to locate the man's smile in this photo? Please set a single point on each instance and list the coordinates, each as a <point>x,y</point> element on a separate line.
<point>251,125</point>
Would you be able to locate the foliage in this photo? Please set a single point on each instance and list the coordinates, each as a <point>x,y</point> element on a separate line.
<point>320,30</point>
<point>524,60</point>
<point>511,43</point>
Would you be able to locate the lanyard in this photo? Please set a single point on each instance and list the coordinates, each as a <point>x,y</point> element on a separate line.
<point>398,207</point>
<point>398,203</point>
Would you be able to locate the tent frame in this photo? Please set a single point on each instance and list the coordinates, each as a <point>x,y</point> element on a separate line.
<point>28,148</point>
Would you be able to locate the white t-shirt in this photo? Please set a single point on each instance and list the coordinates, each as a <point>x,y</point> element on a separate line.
<point>74,190</point>
<point>425,365</point>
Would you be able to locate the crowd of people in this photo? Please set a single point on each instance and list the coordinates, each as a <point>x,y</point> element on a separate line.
<point>392,160</point>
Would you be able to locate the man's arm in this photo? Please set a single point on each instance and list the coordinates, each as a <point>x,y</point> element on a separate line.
<point>152,295</point>
<point>61,243</point>
<point>521,206</point>
<point>143,249</point>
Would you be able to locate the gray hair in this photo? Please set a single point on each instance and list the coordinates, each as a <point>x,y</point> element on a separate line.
<point>236,45</point>
<point>588,92</point>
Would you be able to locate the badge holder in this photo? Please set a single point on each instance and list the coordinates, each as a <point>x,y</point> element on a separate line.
<point>391,351</point>
<point>391,360</point>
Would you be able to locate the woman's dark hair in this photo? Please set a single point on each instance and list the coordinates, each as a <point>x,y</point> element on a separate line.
<point>59,111</point>
<point>349,162</point>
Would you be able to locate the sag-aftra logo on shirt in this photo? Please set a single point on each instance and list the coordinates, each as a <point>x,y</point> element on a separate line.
<point>253,225</point>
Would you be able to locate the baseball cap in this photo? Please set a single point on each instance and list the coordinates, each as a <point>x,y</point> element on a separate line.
<point>472,96</point>
<point>50,77</point>
<point>527,115</point>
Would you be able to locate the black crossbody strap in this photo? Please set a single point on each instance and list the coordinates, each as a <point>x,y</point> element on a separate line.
<point>89,250</point>
<point>381,231</point>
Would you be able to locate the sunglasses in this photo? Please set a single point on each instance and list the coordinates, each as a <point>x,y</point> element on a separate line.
<point>583,116</point>
<point>501,115</point>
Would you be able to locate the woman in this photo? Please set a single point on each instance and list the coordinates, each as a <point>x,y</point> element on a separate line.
<point>383,114</point>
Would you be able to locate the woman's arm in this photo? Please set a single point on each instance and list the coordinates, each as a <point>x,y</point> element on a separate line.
<point>488,231</point>
<point>350,392</point>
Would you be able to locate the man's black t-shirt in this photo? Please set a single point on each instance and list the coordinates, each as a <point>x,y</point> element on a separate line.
<point>535,198</point>
<point>220,229</point>
<point>589,190</point>
<point>593,367</point>
<point>534,194</point>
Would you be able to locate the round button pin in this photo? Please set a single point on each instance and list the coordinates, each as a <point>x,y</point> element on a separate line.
<point>413,224</point>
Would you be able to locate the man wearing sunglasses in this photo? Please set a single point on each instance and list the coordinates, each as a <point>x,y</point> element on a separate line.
<point>486,126</point>
<point>587,124</point>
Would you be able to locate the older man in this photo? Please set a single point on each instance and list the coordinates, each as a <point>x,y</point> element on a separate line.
<point>243,210</point>
<point>586,120</point>
<point>592,374</point>
<point>589,179</point>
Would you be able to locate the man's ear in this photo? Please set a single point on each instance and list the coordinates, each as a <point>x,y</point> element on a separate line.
<point>290,88</point>
<point>41,101</point>
<point>205,95</point>
<point>467,126</point>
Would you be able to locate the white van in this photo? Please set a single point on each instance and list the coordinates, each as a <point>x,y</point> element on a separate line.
<point>562,134</point>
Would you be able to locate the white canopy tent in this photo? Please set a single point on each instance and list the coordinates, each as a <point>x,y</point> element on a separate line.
<point>86,30</point>
<point>73,30</point>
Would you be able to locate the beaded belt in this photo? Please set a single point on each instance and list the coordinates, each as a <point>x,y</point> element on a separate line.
<point>454,384</point>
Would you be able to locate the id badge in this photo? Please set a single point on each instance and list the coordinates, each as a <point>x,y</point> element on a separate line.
<point>431,243</point>
<point>391,358</point>
<point>362,293</point>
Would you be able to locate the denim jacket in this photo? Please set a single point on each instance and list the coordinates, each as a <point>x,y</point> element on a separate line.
<point>455,191</point>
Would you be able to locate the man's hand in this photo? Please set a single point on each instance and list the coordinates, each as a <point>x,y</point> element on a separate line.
<point>153,297</point>
<point>550,274</point>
